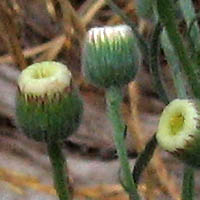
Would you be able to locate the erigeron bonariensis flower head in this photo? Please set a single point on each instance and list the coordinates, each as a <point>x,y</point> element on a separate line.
<point>179,130</point>
<point>48,107</point>
<point>110,56</point>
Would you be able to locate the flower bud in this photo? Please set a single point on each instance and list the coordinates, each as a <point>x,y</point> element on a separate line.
<point>48,107</point>
<point>179,130</point>
<point>110,56</point>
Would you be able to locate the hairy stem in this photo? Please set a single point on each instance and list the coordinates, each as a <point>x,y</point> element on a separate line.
<point>144,159</point>
<point>114,99</point>
<point>188,184</point>
<point>59,170</point>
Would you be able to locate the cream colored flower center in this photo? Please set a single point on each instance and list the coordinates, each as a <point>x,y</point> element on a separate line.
<point>42,72</point>
<point>45,78</point>
<point>176,123</point>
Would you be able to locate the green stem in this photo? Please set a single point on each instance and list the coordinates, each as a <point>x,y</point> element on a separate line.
<point>166,14</point>
<point>190,38</point>
<point>59,170</point>
<point>192,23</point>
<point>114,99</point>
<point>189,14</point>
<point>144,159</point>
<point>154,63</point>
<point>174,64</point>
<point>188,184</point>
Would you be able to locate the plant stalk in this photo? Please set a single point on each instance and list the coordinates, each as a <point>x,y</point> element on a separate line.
<point>144,158</point>
<point>59,170</point>
<point>114,99</point>
<point>174,64</point>
<point>188,12</point>
<point>154,63</point>
<point>167,16</point>
<point>188,184</point>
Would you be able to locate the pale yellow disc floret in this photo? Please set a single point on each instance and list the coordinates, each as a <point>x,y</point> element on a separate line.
<point>110,32</point>
<point>177,123</point>
<point>45,78</point>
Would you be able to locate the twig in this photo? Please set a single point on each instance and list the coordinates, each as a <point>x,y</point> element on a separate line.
<point>93,11</point>
<point>35,50</point>
<point>53,51</point>
<point>71,20</point>
<point>85,6</point>
<point>9,33</point>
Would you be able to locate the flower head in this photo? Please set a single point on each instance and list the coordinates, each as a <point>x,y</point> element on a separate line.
<point>45,78</point>
<point>110,56</point>
<point>178,130</point>
<point>48,107</point>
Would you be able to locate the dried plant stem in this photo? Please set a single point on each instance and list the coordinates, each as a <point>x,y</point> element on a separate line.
<point>85,6</point>
<point>59,171</point>
<point>53,51</point>
<point>9,34</point>
<point>114,99</point>
<point>97,5</point>
<point>71,21</point>
<point>35,50</point>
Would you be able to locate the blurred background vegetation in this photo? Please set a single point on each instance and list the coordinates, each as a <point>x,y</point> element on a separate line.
<point>37,30</point>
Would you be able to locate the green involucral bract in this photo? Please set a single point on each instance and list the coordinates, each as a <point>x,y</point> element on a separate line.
<point>53,111</point>
<point>110,56</point>
<point>179,130</point>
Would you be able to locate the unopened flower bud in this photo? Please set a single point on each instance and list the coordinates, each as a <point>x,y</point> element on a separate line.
<point>110,56</point>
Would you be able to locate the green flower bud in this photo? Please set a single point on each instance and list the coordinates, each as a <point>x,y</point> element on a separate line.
<point>48,108</point>
<point>110,56</point>
<point>179,130</point>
